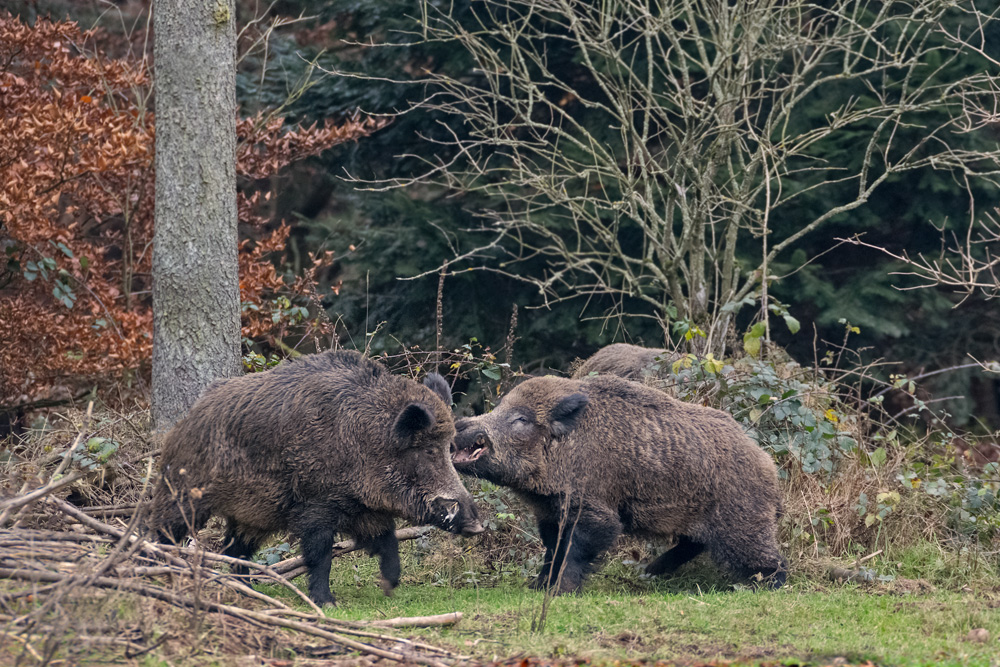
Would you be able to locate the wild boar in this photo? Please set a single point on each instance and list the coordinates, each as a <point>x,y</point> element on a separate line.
<point>332,443</point>
<point>631,362</point>
<point>601,456</point>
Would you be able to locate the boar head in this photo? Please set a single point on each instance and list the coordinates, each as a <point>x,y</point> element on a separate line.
<point>509,445</point>
<point>421,470</point>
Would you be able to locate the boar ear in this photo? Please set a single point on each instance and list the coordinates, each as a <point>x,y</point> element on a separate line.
<point>566,414</point>
<point>439,386</point>
<point>412,419</point>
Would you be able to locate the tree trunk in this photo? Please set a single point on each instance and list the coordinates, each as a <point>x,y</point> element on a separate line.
<point>196,300</point>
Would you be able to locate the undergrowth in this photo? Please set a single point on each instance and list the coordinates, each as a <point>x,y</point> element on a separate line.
<point>874,509</point>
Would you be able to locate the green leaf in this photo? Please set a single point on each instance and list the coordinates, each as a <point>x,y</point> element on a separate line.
<point>752,346</point>
<point>877,457</point>
<point>793,324</point>
<point>62,246</point>
<point>64,293</point>
<point>492,372</point>
<point>734,306</point>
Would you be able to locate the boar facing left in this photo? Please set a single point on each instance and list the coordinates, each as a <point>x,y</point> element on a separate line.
<point>601,456</point>
<point>332,443</point>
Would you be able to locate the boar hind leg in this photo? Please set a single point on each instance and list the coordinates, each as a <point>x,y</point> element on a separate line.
<point>239,546</point>
<point>317,551</point>
<point>673,558</point>
<point>386,547</point>
<point>586,534</point>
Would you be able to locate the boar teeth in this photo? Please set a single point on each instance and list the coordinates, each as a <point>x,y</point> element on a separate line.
<point>466,456</point>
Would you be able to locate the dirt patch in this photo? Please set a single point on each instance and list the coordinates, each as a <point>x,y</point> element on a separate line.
<point>903,586</point>
<point>686,647</point>
<point>631,642</point>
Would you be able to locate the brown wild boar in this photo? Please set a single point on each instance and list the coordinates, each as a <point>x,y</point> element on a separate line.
<point>631,362</point>
<point>601,456</point>
<point>332,443</point>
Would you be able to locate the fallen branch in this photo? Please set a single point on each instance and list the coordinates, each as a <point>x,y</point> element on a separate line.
<point>244,614</point>
<point>294,567</point>
<point>420,621</point>
<point>93,554</point>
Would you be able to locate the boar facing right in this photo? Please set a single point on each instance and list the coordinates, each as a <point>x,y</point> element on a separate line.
<point>329,444</point>
<point>601,456</point>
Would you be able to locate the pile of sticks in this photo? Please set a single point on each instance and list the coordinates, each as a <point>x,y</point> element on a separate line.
<point>47,569</point>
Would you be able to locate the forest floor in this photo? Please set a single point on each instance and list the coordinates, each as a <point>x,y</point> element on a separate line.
<point>698,617</point>
<point>79,587</point>
<point>620,619</point>
<point>693,618</point>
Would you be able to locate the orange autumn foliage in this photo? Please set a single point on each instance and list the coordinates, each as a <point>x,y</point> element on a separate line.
<point>76,214</point>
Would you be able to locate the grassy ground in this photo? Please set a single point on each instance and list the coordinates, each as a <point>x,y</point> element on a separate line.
<point>695,616</point>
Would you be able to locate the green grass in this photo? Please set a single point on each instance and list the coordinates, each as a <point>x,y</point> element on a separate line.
<point>695,616</point>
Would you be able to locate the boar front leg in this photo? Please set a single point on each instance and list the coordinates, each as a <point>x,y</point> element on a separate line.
<point>549,532</point>
<point>586,533</point>
<point>317,551</point>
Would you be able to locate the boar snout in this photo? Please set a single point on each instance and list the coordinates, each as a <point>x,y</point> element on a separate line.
<point>455,516</point>
<point>471,442</point>
<point>472,527</point>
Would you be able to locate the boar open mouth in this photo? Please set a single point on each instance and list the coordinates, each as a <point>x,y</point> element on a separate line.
<point>470,453</point>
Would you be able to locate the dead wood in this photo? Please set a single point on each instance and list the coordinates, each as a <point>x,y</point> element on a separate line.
<point>57,567</point>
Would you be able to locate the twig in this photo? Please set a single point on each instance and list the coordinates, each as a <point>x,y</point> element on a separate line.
<point>244,614</point>
<point>293,567</point>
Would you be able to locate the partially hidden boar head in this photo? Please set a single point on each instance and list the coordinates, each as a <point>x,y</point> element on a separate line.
<point>509,445</point>
<point>422,435</point>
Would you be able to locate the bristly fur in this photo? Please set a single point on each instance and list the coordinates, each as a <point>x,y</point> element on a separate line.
<point>631,362</point>
<point>600,456</point>
<point>331,443</point>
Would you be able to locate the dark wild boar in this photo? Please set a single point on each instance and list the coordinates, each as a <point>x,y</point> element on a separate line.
<point>332,443</point>
<point>601,456</point>
<point>631,362</point>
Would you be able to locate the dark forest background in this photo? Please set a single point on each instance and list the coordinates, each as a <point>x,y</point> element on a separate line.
<point>382,237</point>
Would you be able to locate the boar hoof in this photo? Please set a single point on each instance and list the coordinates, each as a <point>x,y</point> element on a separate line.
<point>324,599</point>
<point>540,583</point>
<point>387,587</point>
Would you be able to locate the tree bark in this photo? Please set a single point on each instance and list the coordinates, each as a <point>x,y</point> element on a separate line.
<point>196,300</point>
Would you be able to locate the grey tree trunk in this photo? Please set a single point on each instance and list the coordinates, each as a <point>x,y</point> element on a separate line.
<point>196,300</point>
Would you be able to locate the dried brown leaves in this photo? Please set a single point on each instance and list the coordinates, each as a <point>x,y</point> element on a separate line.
<point>76,212</point>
